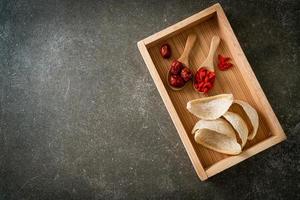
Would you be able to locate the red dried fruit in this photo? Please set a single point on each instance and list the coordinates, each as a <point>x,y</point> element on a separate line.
<point>223,63</point>
<point>211,76</point>
<point>197,77</point>
<point>165,51</point>
<point>186,74</point>
<point>204,80</point>
<point>225,66</point>
<point>176,67</point>
<point>208,85</point>
<point>176,81</point>
<point>202,74</point>
<point>201,84</point>
<point>223,59</point>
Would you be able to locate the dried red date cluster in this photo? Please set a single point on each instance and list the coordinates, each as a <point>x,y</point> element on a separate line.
<point>179,74</point>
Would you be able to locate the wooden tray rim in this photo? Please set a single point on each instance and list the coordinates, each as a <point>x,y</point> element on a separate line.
<point>226,163</point>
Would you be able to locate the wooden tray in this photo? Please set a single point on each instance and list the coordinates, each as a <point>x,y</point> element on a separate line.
<point>239,80</point>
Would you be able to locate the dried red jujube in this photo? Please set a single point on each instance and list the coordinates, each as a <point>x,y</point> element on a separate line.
<point>165,51</point>
<point>176,81</point>
<point>186,74</point>
<point>176,67</point>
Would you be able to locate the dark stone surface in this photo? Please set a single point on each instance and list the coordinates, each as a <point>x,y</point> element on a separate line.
<point>81,118</point>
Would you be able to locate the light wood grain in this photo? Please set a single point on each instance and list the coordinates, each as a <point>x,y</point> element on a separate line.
<point>239,80</point>
<point>184,58</point>
<point>209,61</point>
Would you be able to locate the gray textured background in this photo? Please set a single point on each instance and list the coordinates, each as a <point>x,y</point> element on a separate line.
<point>81,118</point>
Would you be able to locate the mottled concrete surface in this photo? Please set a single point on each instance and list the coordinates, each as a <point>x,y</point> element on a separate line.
<point>81,118</point>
